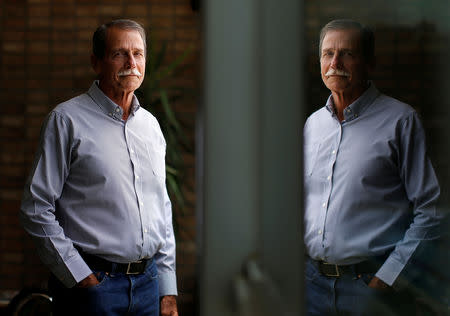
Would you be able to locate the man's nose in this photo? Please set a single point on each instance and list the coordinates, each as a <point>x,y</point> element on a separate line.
<point>131,61</point>
<point>335,61</point>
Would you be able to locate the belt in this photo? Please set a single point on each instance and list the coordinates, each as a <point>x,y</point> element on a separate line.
<point>334,270</point>
<point>97,263</point>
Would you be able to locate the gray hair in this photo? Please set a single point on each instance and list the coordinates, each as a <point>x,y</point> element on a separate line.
<point>99,37</point>
<point>367,36</point>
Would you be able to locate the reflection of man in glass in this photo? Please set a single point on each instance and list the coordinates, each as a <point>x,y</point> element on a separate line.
<point>96,201</point>
<point>370,190</point>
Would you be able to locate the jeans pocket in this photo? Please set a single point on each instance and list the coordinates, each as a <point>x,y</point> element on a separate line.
<point>365,280</point>
<point>311,271</point>
<point>102,277</point>
<point>151,271</point>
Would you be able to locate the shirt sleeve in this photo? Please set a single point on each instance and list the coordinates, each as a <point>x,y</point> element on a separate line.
<point>165,258</point>
<point>422,189</point>
<point>43,188</point>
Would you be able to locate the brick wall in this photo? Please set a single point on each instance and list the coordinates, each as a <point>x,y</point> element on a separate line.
<point>45,59</point>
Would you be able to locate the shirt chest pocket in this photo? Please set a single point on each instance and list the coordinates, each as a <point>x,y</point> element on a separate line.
<point>157,158</point>
<point>310,157</point>
<point>149,158</point>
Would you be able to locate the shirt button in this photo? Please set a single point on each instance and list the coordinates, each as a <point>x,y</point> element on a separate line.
<point>141,203</point>
<point>132,151</point>
<point>329,178</point>
<point>117,110</point>
<point>137,177</point>
<point>320,232</point>
<point>145,230</point>
<point>324,204</point>
<point>333,152</point>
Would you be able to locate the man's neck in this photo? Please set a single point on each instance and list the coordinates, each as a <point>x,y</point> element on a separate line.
<point>123,99</point>
<point>341,100</point>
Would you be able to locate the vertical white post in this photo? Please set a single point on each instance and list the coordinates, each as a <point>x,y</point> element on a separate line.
<point>249,158</point>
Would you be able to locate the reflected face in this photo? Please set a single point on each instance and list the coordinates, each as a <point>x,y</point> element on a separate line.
<point>343,67</point>
<point>122,68</point>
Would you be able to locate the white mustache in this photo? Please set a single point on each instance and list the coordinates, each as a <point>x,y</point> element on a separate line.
<point>128,72</point>
<point>337,72</point>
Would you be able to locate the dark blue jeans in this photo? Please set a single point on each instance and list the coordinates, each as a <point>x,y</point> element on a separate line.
<point>117,294</point>
<point>350,295</point>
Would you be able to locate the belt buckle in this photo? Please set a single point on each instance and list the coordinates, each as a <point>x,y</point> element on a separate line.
<point>336,274</point>
<point>129,267</point>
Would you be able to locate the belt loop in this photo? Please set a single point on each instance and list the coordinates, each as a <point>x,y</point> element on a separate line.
<point>114,267</point>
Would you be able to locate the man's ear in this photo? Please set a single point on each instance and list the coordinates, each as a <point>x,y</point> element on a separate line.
<point>95,63</point>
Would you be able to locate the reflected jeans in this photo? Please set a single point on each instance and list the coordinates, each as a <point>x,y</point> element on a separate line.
<point>116,294</point>
<point>350,295</point>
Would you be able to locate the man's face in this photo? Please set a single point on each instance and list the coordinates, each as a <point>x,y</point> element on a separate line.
<point>343,67</point>
<point>123,67</point>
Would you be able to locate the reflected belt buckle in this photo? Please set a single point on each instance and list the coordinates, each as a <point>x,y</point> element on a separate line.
<point>336,269</point>
<point>130,266</point>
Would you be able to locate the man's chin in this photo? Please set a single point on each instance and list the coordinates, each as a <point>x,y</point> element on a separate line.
<point>130,80</point>
<point>337,80</point>
<point>130,85</point>
<point>335,85</point>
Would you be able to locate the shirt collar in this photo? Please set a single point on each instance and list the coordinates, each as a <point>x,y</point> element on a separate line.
<point>358,106</point>
<point>108,106</point>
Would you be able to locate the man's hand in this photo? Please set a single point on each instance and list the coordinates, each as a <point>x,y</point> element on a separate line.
<point>377,283</point>
<point>88,281</point>
<point>169,306</point>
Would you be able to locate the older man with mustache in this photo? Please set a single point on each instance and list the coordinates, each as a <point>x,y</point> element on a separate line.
<point>96,202</point>
<point>370,189</point>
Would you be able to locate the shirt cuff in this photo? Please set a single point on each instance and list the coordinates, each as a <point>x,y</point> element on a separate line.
<point>72,272</point>
<point>389,271</point>
<point>167,284</point>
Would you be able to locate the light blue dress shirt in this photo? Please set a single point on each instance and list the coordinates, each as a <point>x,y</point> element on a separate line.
<point>98,183</point>
<point>370,189</point>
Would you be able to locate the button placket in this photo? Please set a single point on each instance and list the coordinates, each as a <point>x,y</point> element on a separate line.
<point>329,183</point>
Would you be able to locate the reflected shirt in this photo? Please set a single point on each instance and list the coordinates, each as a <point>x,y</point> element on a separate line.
<point>98,183</point>
<point>370,189</point>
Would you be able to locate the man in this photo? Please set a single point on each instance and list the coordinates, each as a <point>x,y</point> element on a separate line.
<point>96,202</point>
<point>370,190</point>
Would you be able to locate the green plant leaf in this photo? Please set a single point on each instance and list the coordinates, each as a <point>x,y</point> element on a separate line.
<point>168,111</point>
<point>159,101</point>
<point>168,70</point>
<point>175,188</point>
